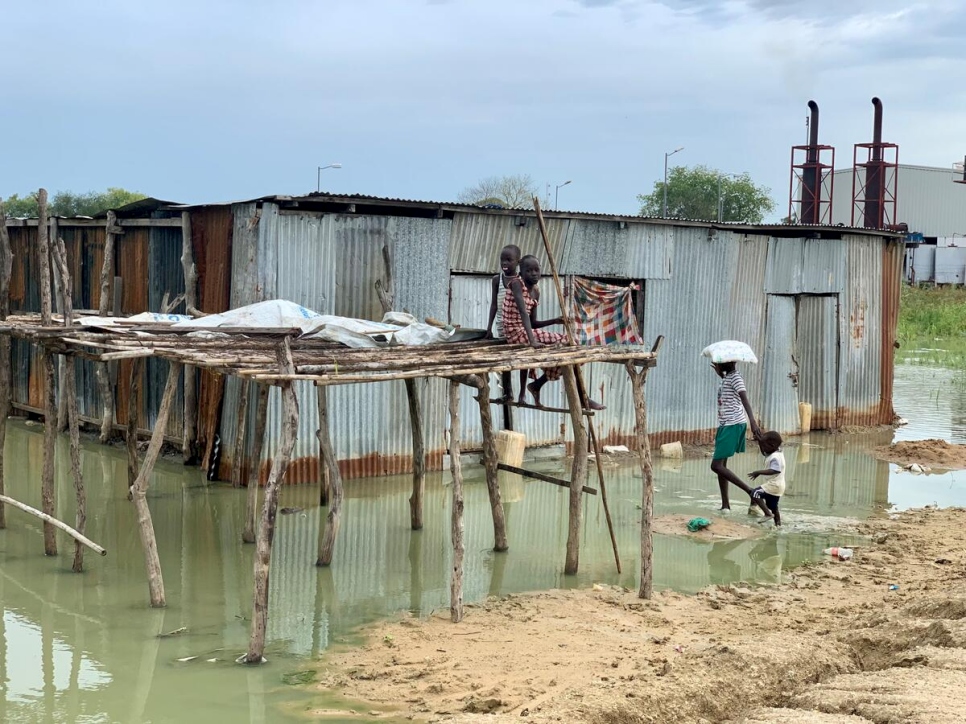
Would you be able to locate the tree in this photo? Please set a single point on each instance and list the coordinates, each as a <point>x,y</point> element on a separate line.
<point>510,192</point>
<point>68,204</point>
<point>696,192</point>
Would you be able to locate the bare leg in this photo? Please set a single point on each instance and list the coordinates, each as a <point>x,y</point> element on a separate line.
<point>720,468</point>
<point>507,380</point>
<point>723,487</point>
<point>523,386</point>
<point>535,388</point>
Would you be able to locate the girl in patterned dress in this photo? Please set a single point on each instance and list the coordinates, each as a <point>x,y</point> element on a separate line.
<point>520,326</point>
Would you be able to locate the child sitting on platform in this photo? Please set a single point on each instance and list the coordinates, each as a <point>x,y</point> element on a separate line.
<point>509,262</point>
<point>520,325</point>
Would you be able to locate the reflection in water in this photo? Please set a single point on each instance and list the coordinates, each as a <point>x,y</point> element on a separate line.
<point>86,648</point>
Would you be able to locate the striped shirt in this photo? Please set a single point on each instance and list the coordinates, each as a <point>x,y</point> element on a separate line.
<point>730,409</point>
<point>500,296</point>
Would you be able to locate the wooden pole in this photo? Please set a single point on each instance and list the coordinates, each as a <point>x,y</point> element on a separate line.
<point>329,531</point>
<point>638,378</point>
<point>266,526</point>
<point>133,402</point>
<point>6,269</point>
<point>59,293</point>
<point>386,294</point>
<point>140,489</point>
<point>104,307</point>
<point>241,430</point>
<point>456,523</point>
<point>490,462</point>
<point>251,507</point>
<point>325,452</point>
<point>69,394</point>
<point>189,440</point>
<point>578,473</point>
<point>55,523</point>
<point>579,380</point>
<point>49,503</point>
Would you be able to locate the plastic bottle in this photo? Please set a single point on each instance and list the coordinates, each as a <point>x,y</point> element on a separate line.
<point>843,554</point>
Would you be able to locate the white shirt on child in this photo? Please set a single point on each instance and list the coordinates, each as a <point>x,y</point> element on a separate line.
<point>774,484</point>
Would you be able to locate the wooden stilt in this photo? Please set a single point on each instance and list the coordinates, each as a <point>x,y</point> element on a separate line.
<point>104,307</point>
<point>69,394</point>
<point>456,467</point>
<point>325,472</point>
<point>330,530</point>
<point>6,269</point>
<point>133,402</point>
<point>266,525</point>
<point>241,431</point>
<point>50,399</point>
<point>386,294</point>
<point>251,506</point>
<point>56,523</point>
<point>578,472</point>
<point>490,462</point>
<point>638,378</point>
<point>140,489</point>
<point>189,440</point>
<point>59,292</point>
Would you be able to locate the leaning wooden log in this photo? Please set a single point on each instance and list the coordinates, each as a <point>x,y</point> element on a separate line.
<point>266,527</point>
<point>6,270</point>
<point>69,394</point>
<point>101,373</point>
<point>490,462</point>
<point>55,523</point>
<point>140,489</point>
<point>578,472</point>
<point>330,530</point>
<point>543,477</point>
<point>456,523</point>
<point>49,503</point>
<point>251,505</point>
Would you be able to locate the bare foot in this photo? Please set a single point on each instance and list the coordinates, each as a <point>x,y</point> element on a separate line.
<point>507,397</point>
<point>592,405</point>
<point>535,391</point>
<point>522,399</point>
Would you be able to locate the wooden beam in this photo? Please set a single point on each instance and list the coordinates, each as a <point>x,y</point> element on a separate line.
<point>638,378</point>
<point>48,492</point>
<point>456,520</point>
<point>542,477</point>
<point>101,372</point>
<point>490,462</point>
<point>56,523</point>
<point>266,525</point>
<point>578,473</point>
<point>329,532</point>
<point>189,445</point>
<point>541,408</point>
<point>99,223</point>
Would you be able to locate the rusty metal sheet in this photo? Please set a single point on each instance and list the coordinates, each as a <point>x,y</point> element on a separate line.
<point>818,349</point>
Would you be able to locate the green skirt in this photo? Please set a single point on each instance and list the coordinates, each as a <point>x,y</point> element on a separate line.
<point>729,441</point>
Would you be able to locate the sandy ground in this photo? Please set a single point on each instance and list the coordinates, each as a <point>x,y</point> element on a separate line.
<point>932,453</point>
<point>720,528</point>
<point>832,644</point>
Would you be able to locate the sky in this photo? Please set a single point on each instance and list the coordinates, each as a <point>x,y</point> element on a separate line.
<point>231,99</point>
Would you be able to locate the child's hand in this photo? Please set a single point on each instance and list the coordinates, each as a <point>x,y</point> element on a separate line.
<point>537,344</point>
<point>754,475</point>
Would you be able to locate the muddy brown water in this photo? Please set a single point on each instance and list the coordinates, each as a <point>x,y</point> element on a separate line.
<point>86,648</point>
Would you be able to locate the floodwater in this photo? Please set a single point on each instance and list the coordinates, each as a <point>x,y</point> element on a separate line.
<point>86,648</point>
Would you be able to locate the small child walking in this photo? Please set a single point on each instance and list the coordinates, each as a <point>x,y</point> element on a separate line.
<point>773,488</point>
<point>734,417</point>
<point>520,325</point>
<point>509,263</point>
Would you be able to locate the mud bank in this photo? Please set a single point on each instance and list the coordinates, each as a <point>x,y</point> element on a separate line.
<point>932,453</point>
<point>834,643</point>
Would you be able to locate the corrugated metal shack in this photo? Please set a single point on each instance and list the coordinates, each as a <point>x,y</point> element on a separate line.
<point>818,304</point>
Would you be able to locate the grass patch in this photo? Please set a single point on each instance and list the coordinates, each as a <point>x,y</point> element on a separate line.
<point>932,312</point>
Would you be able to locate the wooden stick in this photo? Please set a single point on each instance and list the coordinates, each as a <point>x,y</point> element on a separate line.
<point>55,523</point>
<point>251,507</point>
<point>6,270</point>
<point>140,489</point>
<point>266,526</point>
<point>190,435</point>
<point>49,503</point>
<point>329,532</point>
<point>638,378</point>
<point>542,477</point>
<point>541,408</point>
<point>578,472</point>
<point>490,461</point>
<point>59,293</point>
<point>456,523</point>
<point>101,373</point>
<point>241,425</point>
<point>579,380</point>
<point>133,402</point>
<point>69,394</point>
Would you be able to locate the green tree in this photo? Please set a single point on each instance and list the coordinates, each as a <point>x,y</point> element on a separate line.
<point>511,192</point>
<point>700,192</point>
<point>69,204</point>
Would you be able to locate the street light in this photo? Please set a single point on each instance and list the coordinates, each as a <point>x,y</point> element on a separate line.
<point>318,183</point>
<point>556,191</point>
<point>666,157</point>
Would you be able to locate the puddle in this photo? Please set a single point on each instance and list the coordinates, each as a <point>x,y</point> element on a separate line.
<point>86,648</point>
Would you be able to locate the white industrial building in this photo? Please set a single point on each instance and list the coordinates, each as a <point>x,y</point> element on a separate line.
<point>929,203</point>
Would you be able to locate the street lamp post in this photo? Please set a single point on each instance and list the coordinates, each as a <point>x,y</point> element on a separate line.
<point>318,182</point>
<point>666,157</point>
<point>556,193</point>
<point>720,198</point>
